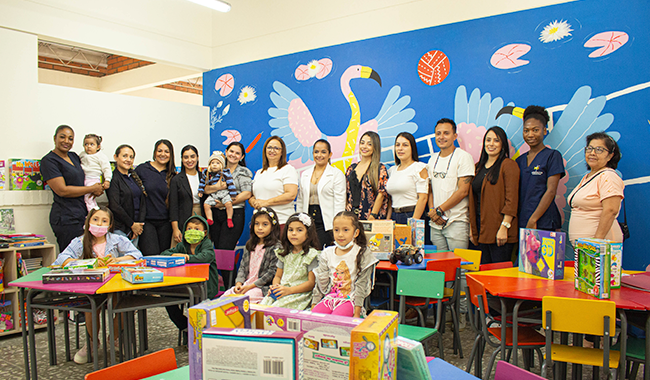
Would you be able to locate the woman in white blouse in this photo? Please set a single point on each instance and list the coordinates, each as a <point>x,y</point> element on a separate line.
<point>407,181</point>
<point>276,184</point>
<point>322,192</point>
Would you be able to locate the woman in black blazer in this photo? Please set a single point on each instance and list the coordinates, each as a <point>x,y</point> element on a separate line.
<point>184,200</point>
<point>127,196</point>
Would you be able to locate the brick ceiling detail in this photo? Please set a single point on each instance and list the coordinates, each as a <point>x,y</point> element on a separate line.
<point>193,88</point>
<point>114,64</point>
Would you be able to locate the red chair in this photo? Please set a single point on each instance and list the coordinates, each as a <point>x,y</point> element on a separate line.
<point>451,268</point>
<point>493,266</point>
<point>138,368</point>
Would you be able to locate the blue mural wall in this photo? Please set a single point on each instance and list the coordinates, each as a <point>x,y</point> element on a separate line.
<point>585,61</point>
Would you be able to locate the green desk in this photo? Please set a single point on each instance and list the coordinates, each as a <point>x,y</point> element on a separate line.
<point>182,373</point>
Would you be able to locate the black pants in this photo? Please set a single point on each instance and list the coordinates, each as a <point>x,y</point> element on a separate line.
<point>66,232</point>
<point>176,315</point>
<point>492,253</point>
<point>221,235</point>
<point>156,237</point>
<point>325,238</point>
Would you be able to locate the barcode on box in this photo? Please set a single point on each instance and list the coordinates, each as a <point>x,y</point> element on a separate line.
<point>293,324</point>
<point>273,367</point>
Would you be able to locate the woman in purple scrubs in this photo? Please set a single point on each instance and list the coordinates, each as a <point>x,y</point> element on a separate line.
<point>541,170</point>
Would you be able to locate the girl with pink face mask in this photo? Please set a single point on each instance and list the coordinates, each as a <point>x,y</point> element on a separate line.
<point>97,242</point>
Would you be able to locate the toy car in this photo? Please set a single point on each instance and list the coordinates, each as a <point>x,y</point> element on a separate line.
<point>407,254</point>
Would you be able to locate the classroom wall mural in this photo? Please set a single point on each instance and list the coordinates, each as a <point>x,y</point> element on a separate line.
<point>584,61</point>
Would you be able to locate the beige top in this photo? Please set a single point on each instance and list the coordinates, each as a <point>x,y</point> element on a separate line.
<point>313,194</point>
<point>586,205</point>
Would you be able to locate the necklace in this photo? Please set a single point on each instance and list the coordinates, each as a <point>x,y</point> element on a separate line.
<point>442,175</point>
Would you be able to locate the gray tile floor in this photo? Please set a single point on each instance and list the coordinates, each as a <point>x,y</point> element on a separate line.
<point>163,334</point>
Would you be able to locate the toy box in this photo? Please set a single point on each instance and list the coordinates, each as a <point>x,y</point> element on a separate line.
<point>71,276</point>
<point>141,275</point>
<point>402,235</point>
<point>3,179</point>
<point>593,268</point>
<point>117,267</point>
<point>541,253</point>
<point>6,316</point>
<point>380,237</point>
<point>417,232</point>
<point>238,354</point>
<point>25,174</point>
<point>411,361</point>
<point>224,312</point>
<point>164,261</point>
<point>615,251</point>
<point>326,352</point>
<point>81,264</point>
<point>374,347</point>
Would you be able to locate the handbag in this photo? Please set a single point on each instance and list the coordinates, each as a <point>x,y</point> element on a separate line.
<point>624,228</point>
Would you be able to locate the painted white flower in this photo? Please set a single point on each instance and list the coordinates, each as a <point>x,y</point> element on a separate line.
<point>247,94</point>
<point>313,68</point>
<point>555,31</point>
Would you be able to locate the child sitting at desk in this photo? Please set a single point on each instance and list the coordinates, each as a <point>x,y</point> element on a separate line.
<point>196,247</point>
<point>97,242</point>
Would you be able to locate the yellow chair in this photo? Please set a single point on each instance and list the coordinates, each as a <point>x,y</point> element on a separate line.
<point>470,255</point>
<point>579,316</point>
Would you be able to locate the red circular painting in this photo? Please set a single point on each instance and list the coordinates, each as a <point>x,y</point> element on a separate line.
<point>433,67</point>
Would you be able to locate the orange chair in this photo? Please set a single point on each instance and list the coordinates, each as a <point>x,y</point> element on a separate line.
<point>527,337</point>
<point>493,266</point>
<point>138,368</point>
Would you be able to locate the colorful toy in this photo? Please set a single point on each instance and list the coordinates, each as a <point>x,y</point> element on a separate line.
<point>541,253</point>
<point>379,234</point>
<point>593,267</point>
<point>402,234</point>
<point>407,254</point>
<point>417,232</point>
<point>374,347</point>
<point>615,250</point>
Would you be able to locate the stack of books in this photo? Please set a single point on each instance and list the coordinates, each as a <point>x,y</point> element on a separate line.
<point>23,240</point>
<point>33,264</point>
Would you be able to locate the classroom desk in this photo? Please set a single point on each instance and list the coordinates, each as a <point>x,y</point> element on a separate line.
<point>95,293</point>
<point>182,373</point>
<point>512,284</point>
<point>441,370</point>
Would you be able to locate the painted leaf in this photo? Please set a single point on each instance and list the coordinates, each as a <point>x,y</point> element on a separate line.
<point>508,56</point>
<point>325,68</point>
<point>302,72</point>
<point>608,42</point>
<point>225,84</point>
<point>220,103</point>
<point>231,135</point>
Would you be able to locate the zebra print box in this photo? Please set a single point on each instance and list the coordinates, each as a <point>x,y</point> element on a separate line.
<point>593,267</point>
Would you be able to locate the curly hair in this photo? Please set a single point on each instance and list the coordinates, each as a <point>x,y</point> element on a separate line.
<point>538,113</point>
<point>312,235</point>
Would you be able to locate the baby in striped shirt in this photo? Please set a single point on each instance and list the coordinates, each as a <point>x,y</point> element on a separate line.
<point>215,172</point>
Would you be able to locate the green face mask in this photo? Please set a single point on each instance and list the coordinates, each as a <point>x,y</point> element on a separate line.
<point>194,236</point>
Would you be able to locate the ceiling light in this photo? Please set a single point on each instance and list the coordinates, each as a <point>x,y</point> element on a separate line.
<point>217,5</point>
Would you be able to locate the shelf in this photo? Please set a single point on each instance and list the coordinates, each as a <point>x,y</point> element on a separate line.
<point>9,290</point>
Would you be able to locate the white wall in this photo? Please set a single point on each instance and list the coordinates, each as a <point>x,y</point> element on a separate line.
<point>31,111</point>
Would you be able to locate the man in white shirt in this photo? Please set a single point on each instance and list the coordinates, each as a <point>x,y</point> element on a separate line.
<point>451,171</point>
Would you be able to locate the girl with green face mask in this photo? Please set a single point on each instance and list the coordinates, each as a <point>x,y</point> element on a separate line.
<point>196,247</point>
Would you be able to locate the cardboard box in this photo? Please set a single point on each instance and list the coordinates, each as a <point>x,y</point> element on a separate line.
<point>541,253</point>
<point>402,235</point>
<point>224,312</point>
<point>411,360</point>
<point>60,276</point>
<point>240,354</point>
<point>615,251</point>
<point>141,275</point>
<point>380,237</point>
<point>374,347</point>
<point>326,351</point>
<point>417,232</point>
<point>164,261</point>
<point>82,264</point>
<point>593,268</point>
<point>117,267</point>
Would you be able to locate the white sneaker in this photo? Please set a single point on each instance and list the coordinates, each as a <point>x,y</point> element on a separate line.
<point>81,357</point>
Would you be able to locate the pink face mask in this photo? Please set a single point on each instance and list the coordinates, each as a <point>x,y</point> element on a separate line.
<point>97,231</point>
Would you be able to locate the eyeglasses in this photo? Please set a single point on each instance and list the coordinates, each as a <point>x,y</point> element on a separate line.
<point>442,175</point>
<point>275,148</point>
<point>598,149</point>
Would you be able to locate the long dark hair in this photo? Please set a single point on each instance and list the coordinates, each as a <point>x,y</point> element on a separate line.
<point>283,153</point>
<point>310,242</point>
<point>493,172</point>
<point>242,161</point>
<point>185,149</point>
<point>360,240</point>
<point>132,172</point>
<point>373,168</point>
<point>171,165</point>
<point>611,145</point>
<point>274,236</point>
<point>414,148</point>
<point>88,238</point>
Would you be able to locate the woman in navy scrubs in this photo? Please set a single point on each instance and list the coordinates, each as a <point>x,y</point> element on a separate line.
<point>541,170</point>
<point>61,169</point>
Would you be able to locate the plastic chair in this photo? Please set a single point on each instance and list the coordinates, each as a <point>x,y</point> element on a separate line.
<point>634,354</point>
<point>507,371</point>
<point>579,316</point>
<point>138,368</point>
<point>420,283</point>
<point>451,268</point>
<point>493,266</point>
<point>470,255</point>
<point>527,337</point>
<point>226,260</point>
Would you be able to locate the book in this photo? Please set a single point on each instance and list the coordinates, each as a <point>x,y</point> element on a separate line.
<point>82,263</point>
<point>25,174</point>
<point>60,276</point>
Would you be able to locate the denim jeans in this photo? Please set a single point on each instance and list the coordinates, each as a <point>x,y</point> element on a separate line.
<point>452,236</point>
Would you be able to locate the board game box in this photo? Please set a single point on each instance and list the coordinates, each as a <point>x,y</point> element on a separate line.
<point>141,275</point>
<point>593,268</point>
<point>417,232</point>
<point>164,261</point>
<point>541,253</point>
<point>380,237</point>
<point>61,276</point>
<point>82,263</point>
<point>374,347</point>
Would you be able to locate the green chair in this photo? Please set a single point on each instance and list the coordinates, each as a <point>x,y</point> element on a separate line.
<point>635,354</point>
<point>420,283</point>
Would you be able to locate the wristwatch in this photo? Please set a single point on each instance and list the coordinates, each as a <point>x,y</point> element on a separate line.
<point>439,211</point>
<point>374,215</point>
<point>506,224</point>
